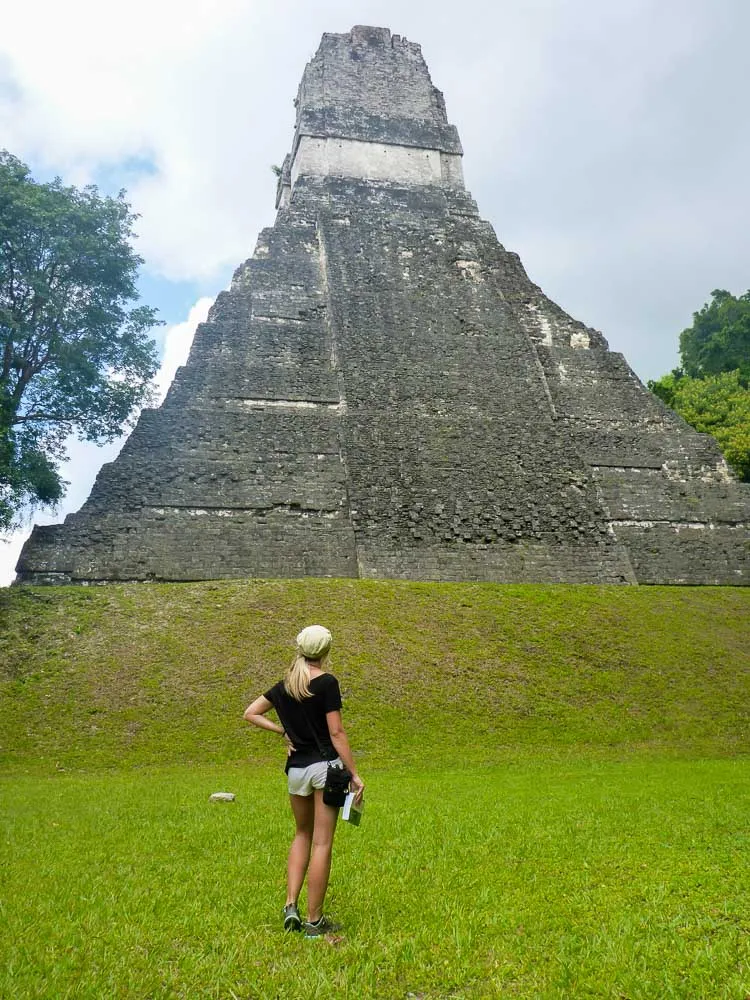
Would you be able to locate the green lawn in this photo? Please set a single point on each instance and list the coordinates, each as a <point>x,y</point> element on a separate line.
<point>558,793</point>
<point>582,879</point>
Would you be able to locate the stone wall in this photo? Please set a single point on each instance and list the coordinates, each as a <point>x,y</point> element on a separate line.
<point>375,161</point>
<point>667,490</point>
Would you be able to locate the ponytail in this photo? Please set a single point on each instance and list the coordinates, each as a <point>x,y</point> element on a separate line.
<point>297,679</point>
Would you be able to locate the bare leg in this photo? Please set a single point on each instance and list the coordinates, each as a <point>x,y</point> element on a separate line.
<point>299,852</point>
<point>320,859</point>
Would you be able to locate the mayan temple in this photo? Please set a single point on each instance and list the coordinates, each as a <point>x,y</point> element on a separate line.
<point>383,392</point>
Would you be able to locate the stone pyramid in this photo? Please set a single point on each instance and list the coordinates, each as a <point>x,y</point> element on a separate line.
<point>383,392</point>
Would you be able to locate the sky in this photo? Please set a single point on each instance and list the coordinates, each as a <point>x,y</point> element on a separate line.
<point>606,142</point>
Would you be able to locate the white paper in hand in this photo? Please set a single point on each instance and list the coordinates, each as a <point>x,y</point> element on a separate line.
<point>351,811</point>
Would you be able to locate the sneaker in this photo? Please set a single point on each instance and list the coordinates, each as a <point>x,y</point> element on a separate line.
<point>320,928</point>
<point>292,919</point>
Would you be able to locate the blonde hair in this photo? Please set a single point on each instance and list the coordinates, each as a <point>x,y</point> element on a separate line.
<point>297,678</point>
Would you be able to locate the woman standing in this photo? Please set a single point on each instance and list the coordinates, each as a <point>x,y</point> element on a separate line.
<point>308,703</point>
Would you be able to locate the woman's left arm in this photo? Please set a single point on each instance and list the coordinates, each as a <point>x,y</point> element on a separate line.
<point>255,714</point>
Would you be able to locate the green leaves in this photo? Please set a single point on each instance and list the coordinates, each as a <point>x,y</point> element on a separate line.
<point>712,389</point>
<point>75,356</point>
<point>718,405</point>
<point>719,339</point>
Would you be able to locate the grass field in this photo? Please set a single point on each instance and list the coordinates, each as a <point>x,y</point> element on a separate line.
<point>599,879</point>
<point>558,793</point>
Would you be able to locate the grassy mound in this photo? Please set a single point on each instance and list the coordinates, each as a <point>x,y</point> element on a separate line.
<point>452,674</point>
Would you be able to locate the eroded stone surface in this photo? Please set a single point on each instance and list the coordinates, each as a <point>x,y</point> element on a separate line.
<point>382,392</point>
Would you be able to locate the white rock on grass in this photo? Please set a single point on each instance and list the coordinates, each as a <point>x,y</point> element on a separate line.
<point>221,797</point>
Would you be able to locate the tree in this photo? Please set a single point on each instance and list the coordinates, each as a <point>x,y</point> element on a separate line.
<point>719,339</point>
<point>711,389</point>
<point>718,405</point>
<point>75,357</point>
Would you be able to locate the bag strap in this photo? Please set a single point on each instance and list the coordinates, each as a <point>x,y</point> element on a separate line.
<point>311,727</point>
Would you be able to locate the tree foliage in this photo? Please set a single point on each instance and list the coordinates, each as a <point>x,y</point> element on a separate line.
<point>711,390</point>
<point>718,405</point>
<point>719,339</point>
<point>75,355</point>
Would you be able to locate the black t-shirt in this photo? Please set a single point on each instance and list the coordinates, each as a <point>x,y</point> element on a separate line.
<point>301,719</point>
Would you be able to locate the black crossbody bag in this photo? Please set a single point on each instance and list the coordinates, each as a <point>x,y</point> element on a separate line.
<point>337,776</point>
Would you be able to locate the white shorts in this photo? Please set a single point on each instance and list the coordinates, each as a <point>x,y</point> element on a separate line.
<point>303,780</point>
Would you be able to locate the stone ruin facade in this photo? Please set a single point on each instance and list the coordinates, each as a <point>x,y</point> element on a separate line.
<point>383,392</point>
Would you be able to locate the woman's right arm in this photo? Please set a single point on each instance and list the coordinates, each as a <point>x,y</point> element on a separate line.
<point>341,745</point>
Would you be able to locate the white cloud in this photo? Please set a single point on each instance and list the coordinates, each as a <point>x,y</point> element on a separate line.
<point>86,459</point>
<point>98,84</point>
<point>583,124</point>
